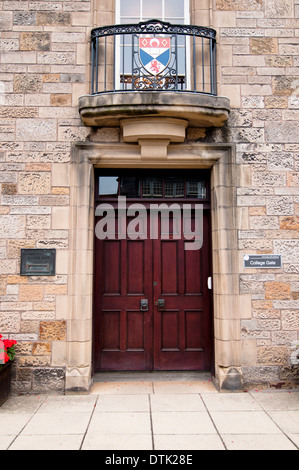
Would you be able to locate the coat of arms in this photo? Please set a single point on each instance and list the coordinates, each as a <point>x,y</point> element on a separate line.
<point>154,54</point>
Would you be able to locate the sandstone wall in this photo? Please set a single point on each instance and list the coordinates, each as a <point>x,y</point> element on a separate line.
<point>44,68</point>
<point>258,71</point>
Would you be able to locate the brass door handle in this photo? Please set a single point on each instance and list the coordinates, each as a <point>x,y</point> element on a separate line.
<point>144,305</point>
<point>161,305</point>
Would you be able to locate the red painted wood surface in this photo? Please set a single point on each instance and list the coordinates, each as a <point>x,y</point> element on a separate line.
<point>127,271</point>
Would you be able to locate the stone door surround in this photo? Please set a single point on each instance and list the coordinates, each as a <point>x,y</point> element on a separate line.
<point>220,158</point>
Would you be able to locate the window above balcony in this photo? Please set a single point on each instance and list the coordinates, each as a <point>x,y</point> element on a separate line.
<point>154,68</point>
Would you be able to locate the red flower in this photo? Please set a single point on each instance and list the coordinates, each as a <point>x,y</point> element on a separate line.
<point>8,343</point>
<point>9,350</point>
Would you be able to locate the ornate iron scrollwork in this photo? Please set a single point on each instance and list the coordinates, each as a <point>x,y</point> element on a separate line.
<point>154,27</point>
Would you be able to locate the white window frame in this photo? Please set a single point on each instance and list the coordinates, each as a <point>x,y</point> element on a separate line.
<point>117,41</point>
<point>186,12</point>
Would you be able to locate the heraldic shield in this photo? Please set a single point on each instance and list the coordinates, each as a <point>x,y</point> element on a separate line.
<point>154,54</point>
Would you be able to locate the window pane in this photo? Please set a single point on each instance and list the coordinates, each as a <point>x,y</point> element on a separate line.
<point>174,188</point>
<point>108,185</point>
<point>174,8</point>
<point>152,187</point>
<point>129,20</point>
<point>196,189</point>
<point>129,186</point>
<point>152,9</point>
<point>130,8</point>
<point>126,60</point>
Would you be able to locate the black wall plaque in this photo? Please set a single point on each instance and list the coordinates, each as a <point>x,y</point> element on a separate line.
<point>38,262</point>
<point>262,261</point>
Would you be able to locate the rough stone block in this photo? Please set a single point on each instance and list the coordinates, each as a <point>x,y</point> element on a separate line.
<point>48,379</point>
<point>279,8</point>
<point>9,189</point>
<point>56,58</point>
<point>289,250</point>
<point>52,331</point>
<point>36,222</point>
<point>272,355</point>
<point>41,349</point>
<point>280,206</point>
<point>31,293</point>
<point>36,130</point>
<point>264,223</point>
<point>24,18</point>
<point>239,5</point>
<point>53,18</point>
<point>284,86</point>
<point>6,21</point>
<point>2,285</point>
<point>262,179</point>
<point>27,83</point>
<point>259,375</point>
<point>18,112</point>
<point>263,46</point>
<point>10,323</point>
<point>281,132</point>
<point>289,223</point>
<point>35,183</point>
<point>277,291</point>
<point>23,57</point>
<point>61,99</point>
<point>35,41</point>
<point>290,320</point>
<point>293,179</point>
<point>12,226</point>
<point>280,161</point>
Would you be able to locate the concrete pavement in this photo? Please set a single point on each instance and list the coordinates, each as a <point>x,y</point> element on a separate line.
<point>152,412</point>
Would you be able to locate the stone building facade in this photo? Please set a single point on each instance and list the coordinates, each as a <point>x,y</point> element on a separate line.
<point>48,154</point>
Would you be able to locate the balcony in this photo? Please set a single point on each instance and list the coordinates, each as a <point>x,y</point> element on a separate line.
<point>154,70</point>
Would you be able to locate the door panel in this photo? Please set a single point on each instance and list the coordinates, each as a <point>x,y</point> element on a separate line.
<point>135,267</point>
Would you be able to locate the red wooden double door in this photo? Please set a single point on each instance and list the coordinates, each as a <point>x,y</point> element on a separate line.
<point>152,303</point>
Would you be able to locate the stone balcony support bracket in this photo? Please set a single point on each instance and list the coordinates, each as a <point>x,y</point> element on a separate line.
<point>154,134</point>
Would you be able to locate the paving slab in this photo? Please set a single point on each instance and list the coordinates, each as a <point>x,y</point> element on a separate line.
<point>24,404</point>
<point>257,442</point>
<point>176,402</point>
<point>58,423</point>
<point>288,421</point>
<point>117,442</point>
<point>195,422</point>
<point>244,422</point>
<point>122,403</point>
<point>68,404</point>
<point>5,442</point>
<point>48,442</point>
<point>277,400</point>
<point>230,402</point>
<point>188,442</point>
<point>13,424</point>
<point>120,423</point>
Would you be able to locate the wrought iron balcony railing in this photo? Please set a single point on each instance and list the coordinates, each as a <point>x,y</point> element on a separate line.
<point>153,56</point>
